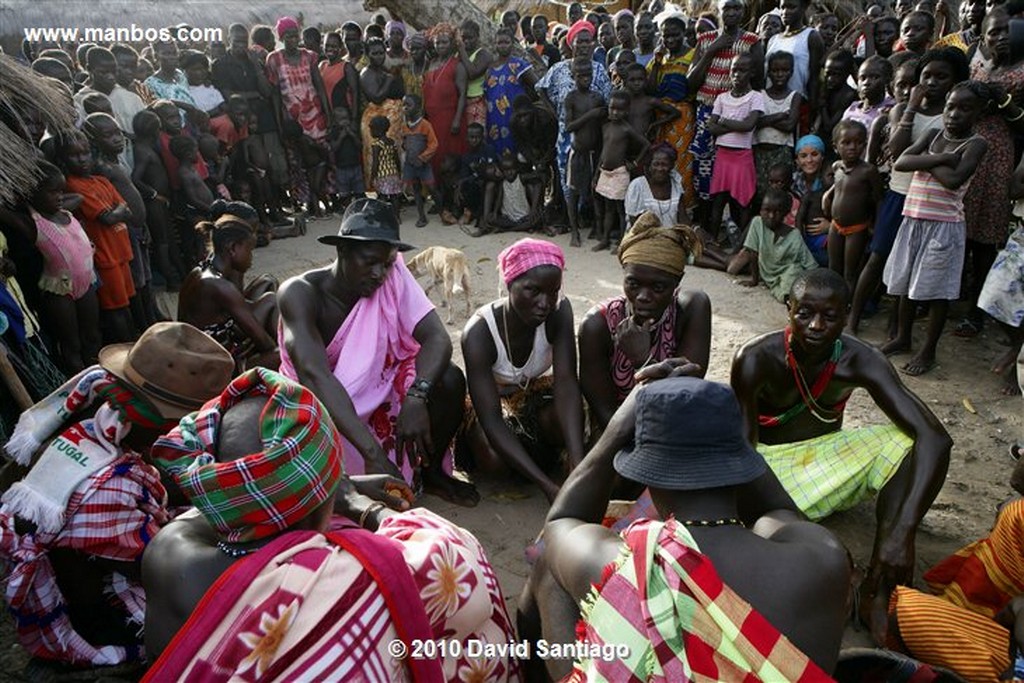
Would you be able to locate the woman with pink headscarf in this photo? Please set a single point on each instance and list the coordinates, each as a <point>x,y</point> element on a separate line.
<point>300,97</point>
<point>520,355</point>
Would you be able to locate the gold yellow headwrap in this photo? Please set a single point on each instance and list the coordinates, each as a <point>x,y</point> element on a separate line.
<point>649,244</point>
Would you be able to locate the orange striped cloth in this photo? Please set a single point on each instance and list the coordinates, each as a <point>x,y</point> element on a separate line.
<point>954,627</point>
<point>985,575</point>
<point>940,633</point>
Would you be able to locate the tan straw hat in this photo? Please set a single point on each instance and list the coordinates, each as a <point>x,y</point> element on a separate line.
<point>176,366</point>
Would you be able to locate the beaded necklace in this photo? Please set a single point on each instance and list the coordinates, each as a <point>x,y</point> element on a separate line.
<point>809,395</point>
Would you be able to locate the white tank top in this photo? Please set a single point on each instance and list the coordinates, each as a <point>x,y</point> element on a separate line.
<point>899,181</point>
<point>505,373</point>
<point>795,45</point>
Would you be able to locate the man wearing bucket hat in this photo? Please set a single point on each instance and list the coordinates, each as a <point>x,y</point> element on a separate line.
<point>74,527</point>
<point>679,597</point>
<point>261,582</point>
<point>362,335</point>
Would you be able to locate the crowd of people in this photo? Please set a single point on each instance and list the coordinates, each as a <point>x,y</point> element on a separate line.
<point>241,482</point>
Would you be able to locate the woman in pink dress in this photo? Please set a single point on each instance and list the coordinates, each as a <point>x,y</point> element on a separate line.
<point>300,96</point>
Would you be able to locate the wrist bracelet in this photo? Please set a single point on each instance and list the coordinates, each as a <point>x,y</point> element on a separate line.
<point>1006,102</point>
<point>1018,117</point>
<point>421,395</point>
<point>370,509</point>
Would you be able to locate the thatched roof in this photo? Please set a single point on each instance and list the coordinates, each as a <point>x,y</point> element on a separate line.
<point>16,15</point>
<point>24,95</point>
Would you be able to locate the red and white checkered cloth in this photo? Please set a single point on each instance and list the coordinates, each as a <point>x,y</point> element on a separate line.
<point>112,514</point>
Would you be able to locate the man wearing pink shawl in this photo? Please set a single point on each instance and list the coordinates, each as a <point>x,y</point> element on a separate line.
<point>361,334</point>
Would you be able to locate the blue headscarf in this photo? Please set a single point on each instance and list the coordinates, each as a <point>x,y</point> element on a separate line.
<point>810,141</point>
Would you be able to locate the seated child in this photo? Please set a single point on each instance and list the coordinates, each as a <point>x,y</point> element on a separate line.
<point>479,164</point>
<point>385,167</point>
<point>774,252</point>
<point>622,147</point>
<point>851,202</point>
<point>509,204</point>
<point>346,144</point>
<point>420,145</point>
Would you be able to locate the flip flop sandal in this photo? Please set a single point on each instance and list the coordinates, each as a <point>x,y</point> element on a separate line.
<point>966,329</point>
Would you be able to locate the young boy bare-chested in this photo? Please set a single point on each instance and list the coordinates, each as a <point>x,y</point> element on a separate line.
<point>150,177</point>
<point>621,148</point>
<point>647,114</point>
<point>584,114</point>
<point>851,201</point>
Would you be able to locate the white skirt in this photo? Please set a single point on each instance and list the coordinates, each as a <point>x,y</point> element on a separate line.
<point>927,260</point>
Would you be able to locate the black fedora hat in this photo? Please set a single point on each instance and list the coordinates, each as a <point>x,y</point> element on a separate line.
<point>689,435</point>
<point>368,220</point>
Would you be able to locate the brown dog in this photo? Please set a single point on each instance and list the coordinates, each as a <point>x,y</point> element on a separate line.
<point>446,267</point>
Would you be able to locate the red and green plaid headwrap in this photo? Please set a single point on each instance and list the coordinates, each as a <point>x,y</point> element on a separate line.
<point>264,493</point>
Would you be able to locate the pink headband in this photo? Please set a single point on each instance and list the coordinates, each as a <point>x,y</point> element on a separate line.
<point>528,253</point>
<point>285,24</point>
<point>578,28</point>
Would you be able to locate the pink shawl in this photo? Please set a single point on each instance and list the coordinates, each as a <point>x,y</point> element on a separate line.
<point>373,352</point>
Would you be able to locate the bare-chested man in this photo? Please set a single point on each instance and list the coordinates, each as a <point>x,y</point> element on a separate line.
<point>643,590</point>
<point>793,385</point>
<point>362,335</point>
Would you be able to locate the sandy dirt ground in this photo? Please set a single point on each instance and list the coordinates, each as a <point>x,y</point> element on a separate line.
<point>510,515</point>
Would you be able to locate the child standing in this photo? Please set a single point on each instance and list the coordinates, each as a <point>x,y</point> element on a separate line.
<point>733,120</point>
<point>909,122</point>
<point>346,143</point>
<point>420,145</point>
<point>385,168</point>
<point>774,136</point>
<point>851,201</point>
<point>647,114</point>
<point>872,80</point>
<point>68,295</point>
<point>104,214</point>
<point>928,256</point>
<point>584,115</point>
<point>838,95</point>
<point>621,148</point>
<point>150,177</point>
